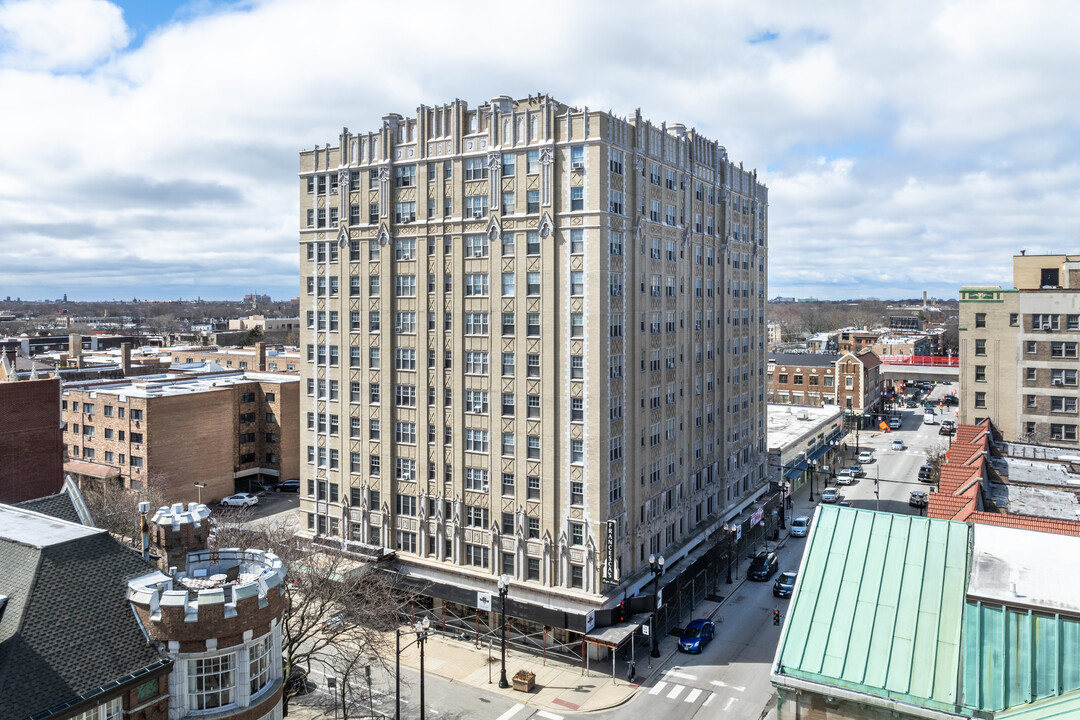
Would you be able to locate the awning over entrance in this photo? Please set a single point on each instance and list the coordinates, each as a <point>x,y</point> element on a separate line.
<point>614,636</point>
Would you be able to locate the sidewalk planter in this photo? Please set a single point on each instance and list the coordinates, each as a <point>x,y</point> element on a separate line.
<point>524,680</point>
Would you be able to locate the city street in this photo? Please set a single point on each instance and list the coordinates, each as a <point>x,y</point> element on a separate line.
<point>731,676</point>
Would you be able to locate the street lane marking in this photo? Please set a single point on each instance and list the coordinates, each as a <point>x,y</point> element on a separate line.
<point>549,716</point>
<point>658,687</point>
<point>511,712</point>
<point>693,695</point>
<point>728,704</point>
<point>708,699</point>
<point>684,676</point>
<point>674,692</point>
<point>718,683</point>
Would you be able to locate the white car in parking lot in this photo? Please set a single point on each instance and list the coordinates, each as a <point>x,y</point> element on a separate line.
<point>240,500</point>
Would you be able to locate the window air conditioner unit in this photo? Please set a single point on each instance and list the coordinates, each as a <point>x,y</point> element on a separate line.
<point>577,165</point>
<point>1047,326</point>
<point>477,252</point>
<point>406,256</point>
<point>1057,382</point>
<point>406,476</point>
<point>478,213</point>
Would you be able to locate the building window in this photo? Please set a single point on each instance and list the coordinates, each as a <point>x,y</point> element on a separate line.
<point>980,320</point>
<point>1063,405</point>
<point>259,663</point>
<point>1059,431</point>
<point>532,201</point>
<point>577,198</point>
<point>1014,319</point>
<point>476,555</point>
<point>980,400</point>
<point>211,682</point>
<point>980,348</point>
<point>980,373</point>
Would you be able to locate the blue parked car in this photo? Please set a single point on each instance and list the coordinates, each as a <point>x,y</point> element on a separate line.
<point>696,635</point>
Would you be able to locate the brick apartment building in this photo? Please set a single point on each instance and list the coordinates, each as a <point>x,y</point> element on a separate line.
<point>220,429</point>
<point>1019,357</point>
<point>31,441</point>
<point>535,343</point>
<point>852,380</point>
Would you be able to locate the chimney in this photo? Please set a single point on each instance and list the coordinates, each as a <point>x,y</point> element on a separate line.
<point>260,356</point>
<point>125,359</point>
<point>75,345</point>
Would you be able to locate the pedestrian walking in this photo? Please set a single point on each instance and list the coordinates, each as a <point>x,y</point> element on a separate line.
<point>632,673</point>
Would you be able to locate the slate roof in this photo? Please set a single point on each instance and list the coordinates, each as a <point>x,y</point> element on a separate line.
<point>57,506</point>
<point>68,632</point>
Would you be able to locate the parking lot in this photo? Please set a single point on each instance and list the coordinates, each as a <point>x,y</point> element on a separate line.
<point>893,474</point>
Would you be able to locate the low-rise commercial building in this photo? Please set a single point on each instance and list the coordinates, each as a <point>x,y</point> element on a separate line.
<point>851,380</point>
<point>806,444</point>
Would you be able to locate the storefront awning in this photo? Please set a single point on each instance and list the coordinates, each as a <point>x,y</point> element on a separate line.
<point>614,636</point>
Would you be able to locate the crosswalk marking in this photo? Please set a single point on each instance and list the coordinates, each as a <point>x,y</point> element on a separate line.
<point>675,690</point>
<point>719,683</point>
<point>511,712</point>
<point>693,695</point>
<point>708,699</point>
<point>548,715</point>
<point>728,704</point>
<point>684,676</point>
<point>658,687</point>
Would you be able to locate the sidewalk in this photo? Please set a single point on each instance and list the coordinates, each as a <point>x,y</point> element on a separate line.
<point>562,687</point>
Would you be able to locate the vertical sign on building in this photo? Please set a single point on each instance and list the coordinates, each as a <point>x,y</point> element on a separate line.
<point>611,572</point>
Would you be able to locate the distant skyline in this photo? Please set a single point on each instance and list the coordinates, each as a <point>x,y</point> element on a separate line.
<point>150,149</point>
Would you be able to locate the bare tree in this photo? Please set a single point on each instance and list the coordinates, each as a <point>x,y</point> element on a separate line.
<point>868,313</point>
<point>116,508</point>
<point>935,455</point>
<point>338,610</point>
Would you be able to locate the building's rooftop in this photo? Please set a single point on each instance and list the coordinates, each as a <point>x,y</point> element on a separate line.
<point>67,634</point>
<point>804,359</point>
<point>38,530</point>
<point>1013,567</point>
<point>169,385</point>
<point>788,423</point>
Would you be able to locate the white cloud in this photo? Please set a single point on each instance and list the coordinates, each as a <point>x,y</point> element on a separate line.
<point>920,143</point>
<point>59,35</point>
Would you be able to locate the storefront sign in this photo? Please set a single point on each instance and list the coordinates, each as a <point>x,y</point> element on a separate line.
<point>611,571</point>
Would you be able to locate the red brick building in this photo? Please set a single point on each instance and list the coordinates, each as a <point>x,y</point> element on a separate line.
<point>31,440</point>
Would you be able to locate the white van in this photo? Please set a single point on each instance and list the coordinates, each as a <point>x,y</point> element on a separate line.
<point>929,419</point>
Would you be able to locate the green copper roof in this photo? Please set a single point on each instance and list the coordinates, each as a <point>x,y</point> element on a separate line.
<point>879,606</point>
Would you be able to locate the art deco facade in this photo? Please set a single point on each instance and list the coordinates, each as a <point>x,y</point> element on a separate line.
<point>523,321</point>
<point>1018,352</point>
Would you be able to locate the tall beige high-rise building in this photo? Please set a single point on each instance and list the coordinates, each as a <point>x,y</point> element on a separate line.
<point>1018,352</point>
<point>535,346</point>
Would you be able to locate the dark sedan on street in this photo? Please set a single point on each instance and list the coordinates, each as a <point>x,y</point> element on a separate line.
<point>763,566</point>
<point>784,584</point>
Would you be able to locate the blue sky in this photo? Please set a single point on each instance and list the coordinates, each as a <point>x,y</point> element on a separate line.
<point>150,148</point>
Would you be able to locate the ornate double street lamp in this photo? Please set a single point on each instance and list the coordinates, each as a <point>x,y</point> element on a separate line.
<point>656,565</point>
<point>422,630</point>
<point>504,588</point>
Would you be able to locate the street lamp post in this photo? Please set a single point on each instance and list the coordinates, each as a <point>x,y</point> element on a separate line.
<point>504,588</point>
<point>812,465</point>
<point>656,566</point>
<point>783,501</point>
<point>730,532</point>
<point>421,628</point>
<point>199,486</point>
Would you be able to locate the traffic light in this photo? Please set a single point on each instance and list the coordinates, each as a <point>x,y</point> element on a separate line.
<point>775,617</point>
<point>620,612</point>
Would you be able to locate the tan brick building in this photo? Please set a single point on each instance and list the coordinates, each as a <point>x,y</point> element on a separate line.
<point>219,429</point>
<point>525,321</point>
<point>852,380</point>
<point>1018,352</point>
<point>261,358</point>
